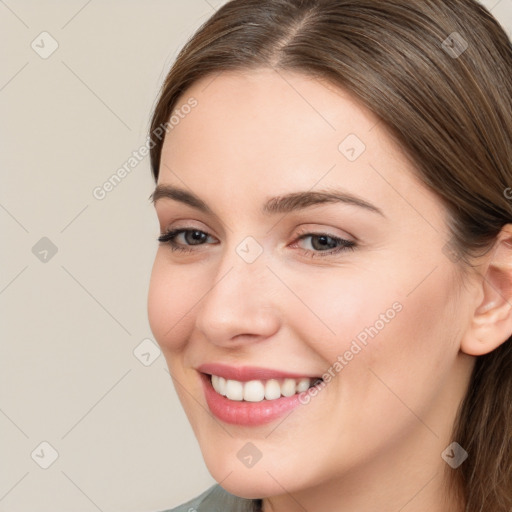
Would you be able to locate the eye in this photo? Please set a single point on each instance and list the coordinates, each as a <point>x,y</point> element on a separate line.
<point>195,236</point>
<point>323,244</point>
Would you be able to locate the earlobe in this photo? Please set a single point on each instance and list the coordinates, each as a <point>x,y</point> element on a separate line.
<point>491,323</point>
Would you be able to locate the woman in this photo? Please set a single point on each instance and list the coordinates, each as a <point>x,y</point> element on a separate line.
<point>333,286</point>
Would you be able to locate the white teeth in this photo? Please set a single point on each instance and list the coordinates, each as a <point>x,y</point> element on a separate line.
<point>288,387</point>
<point>222,386</point>
<point>234,390</point>
<point>272,389</point>
<point>219,384</point>
<point>215,383</point>
<point>258,390</point>
<point>303,385</point>
<point>254,391</point>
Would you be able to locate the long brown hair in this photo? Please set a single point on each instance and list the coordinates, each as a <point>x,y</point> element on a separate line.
<point>438,73</point>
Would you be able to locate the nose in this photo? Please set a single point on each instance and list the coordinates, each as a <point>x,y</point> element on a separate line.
<point>240,306</point>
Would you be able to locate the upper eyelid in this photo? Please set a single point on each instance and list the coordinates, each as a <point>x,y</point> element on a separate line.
<point>187,225</point>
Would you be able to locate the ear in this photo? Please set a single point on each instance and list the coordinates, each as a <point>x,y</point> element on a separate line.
<point>491,323</point>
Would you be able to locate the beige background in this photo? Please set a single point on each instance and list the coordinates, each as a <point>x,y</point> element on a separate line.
<point>70,324</point>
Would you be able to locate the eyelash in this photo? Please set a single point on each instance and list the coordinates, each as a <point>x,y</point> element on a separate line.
<point>169,236</point>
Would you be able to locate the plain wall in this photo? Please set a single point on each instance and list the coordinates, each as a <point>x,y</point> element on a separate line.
<point>72,319</point>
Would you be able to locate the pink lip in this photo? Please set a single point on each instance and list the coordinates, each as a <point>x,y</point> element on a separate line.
<point>243,413</point>
<point>247,373</point>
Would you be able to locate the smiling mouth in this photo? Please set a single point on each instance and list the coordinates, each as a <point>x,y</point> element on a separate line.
<point>261,390</point>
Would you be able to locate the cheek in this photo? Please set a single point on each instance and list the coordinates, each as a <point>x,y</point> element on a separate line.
<point>361,321</point>
<point>410,360</point>
<point>425,333</point>
<point>171,299</point>
<point>340,309</point>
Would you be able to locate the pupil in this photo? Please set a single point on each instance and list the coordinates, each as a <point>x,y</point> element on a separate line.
<point>197,235</point>
<point>323,241</point>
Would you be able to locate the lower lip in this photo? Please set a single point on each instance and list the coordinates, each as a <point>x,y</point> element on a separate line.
<point>246,413</point>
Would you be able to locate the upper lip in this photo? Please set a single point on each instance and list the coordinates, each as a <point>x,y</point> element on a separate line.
<point>247,373</point>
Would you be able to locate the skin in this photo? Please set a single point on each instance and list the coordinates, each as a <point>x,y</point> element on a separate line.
<point>375,433</point>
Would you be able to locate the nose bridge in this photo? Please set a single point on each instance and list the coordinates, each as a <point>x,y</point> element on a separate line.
<point>239,300</point>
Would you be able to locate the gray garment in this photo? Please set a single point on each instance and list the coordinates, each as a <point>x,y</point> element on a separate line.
<point>216,499</point>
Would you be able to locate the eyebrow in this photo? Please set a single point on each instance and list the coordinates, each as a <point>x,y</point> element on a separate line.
<point>280,204</point>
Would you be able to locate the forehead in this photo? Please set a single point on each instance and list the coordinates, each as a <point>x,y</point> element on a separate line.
<point>263,131</point>
<point>268,101</point>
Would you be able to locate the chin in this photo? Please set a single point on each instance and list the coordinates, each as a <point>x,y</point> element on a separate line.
<point>264,479</point>
<point>249,486</point>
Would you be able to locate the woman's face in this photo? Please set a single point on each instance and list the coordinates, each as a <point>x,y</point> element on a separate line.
<point>267,289</point>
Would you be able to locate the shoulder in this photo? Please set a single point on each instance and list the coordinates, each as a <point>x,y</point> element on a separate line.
<point>216,499</point>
